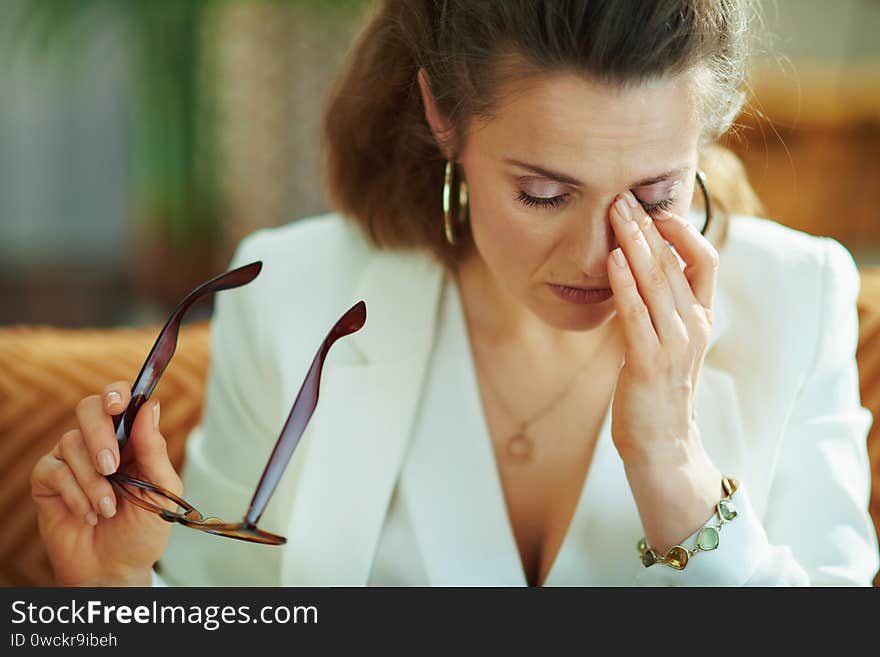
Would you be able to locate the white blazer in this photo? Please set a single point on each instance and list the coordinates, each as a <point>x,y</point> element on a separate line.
<point>778,407</point>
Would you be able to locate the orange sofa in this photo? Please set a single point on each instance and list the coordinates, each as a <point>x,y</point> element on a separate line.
<point>44,371</point>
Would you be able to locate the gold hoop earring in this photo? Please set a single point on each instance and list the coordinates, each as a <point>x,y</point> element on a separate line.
<point>701,180</point>
<point>462,203</point>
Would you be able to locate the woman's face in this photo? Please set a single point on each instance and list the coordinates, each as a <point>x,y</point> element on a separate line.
<point>543,174</point>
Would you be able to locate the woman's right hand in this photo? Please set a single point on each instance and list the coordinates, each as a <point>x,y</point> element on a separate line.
<point>93,537</point>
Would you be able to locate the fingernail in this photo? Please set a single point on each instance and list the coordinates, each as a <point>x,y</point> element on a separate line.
<point>106,462</point>
<point>108,508</point>
<point>623,210</point>
<point>113,398</point>
<point>92,518</point>
<point>156,415</point>
<point>662,215</point>
<point>618,257</point>
<point>631,200</point>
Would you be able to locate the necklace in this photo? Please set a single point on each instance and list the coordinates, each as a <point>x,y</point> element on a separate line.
<point>519,445</point>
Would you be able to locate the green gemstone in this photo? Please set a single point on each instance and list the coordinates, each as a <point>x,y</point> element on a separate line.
<point>677,557</point>
<point>642,547</point>
<point>727,509</point>
<point>648,559</point>
<point>708,538</point>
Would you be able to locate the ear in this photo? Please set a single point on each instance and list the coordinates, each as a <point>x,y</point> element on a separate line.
<point>440,127</point>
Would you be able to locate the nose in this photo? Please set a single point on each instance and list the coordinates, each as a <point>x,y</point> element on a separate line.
<point>591,238</point>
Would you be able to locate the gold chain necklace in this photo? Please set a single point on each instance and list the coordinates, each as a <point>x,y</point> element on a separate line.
<point>520,446</point>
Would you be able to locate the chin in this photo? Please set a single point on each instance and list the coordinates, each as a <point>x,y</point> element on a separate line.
<point>571,317</point>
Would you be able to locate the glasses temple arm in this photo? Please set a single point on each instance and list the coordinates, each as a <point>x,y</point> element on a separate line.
<point>303,408</point>
<point>166,344</point>
<point>299,417</point>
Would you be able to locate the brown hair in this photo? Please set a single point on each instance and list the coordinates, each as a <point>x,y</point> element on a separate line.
<point>384,167</point>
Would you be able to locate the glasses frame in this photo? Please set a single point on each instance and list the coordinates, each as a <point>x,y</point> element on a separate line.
<point>301,412</point>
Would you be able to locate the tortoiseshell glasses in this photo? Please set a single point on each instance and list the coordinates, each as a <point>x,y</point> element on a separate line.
<point>303,408</point>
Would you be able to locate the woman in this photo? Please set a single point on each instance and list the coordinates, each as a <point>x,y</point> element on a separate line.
<point>542,382</point>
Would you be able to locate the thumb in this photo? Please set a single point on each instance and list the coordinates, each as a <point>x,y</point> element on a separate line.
<point>150,450</point>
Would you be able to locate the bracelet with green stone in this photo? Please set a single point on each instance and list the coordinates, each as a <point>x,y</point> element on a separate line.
<point>708,539</point>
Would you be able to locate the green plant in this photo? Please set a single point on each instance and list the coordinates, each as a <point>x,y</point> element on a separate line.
<point>174,158</point>
<point>173,155</point>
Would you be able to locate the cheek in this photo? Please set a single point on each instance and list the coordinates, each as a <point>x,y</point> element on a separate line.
<point>682,205</point>
<point>506,237</point>
<point>684,200</point>
<point>692,200</point>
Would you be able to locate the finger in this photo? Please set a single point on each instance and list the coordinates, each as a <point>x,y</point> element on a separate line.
<point>116,397</point>
<point>54,489</point>
<point>688,307</point>
<point>639,336</point>
<point>97,430</point>
<point>150,449</point>
<point>72,450</point>
<point>701,258</point>
<point>647,272</point>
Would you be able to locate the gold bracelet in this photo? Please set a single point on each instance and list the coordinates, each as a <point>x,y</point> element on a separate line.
<point>677,556</point>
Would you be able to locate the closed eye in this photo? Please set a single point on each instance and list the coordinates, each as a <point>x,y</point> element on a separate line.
<point>665,204</point>
<point>556,201</point>
<point>540,202</point>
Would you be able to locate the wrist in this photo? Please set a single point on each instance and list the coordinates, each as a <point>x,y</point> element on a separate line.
<point>707,538</point>
<point>674,500</point>
<point>670,450</point>
<point>120,578</point>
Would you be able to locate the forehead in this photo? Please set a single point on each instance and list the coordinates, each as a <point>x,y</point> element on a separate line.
<point>569,123</point>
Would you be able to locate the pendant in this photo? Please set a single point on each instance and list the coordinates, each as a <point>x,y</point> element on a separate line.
<point>519,448</point>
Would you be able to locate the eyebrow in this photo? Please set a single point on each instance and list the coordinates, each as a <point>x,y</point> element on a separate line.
<point>561,177</point>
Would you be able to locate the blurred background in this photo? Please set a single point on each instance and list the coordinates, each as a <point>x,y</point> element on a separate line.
<point>140,140</point>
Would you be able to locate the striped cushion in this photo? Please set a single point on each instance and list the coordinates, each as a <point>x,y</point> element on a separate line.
<point>44,372</point>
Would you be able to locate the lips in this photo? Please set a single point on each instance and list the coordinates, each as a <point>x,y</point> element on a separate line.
<point>581,295</point>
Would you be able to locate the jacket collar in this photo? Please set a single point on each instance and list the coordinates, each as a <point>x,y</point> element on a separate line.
<point>401,290</point>
<point>353,448</point>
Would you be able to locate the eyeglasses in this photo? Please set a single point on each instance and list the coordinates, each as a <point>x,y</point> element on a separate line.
<point>303,408</point>
<point>701,180</point>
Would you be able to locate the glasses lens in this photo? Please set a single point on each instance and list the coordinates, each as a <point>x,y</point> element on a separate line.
<point>175,509</point>
<point>155,498</point>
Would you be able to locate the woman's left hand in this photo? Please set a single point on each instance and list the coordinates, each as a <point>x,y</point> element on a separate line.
<point>665,316</point>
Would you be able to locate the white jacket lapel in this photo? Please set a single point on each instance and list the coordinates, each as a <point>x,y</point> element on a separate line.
<point>450,483</point>
<point>355,442</point>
